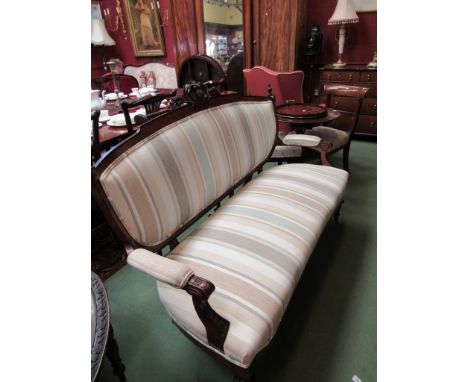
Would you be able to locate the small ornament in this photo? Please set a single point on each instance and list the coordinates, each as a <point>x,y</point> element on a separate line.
<point>151,80</point>
<point>314,44</point>
<point>142,79</point>
<point>373,64</point>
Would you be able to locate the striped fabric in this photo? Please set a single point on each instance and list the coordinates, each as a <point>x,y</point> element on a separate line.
<point>301,140</point>
<point>169,177</point>
<point>254,250</point>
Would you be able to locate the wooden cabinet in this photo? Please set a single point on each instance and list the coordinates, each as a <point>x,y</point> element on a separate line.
<point>359,75</point>
<point>279,33</point>
<point>274,32</point>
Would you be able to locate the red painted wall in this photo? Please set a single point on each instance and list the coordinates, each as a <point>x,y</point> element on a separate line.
<point>123,48</point>
<point>359,49</point>
<point>362,43</point>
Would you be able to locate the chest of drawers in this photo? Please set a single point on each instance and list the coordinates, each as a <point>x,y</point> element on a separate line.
<point>359,75</point>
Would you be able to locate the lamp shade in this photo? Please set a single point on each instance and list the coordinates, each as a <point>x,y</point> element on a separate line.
<point>99,34</point>
<point>344,13</point>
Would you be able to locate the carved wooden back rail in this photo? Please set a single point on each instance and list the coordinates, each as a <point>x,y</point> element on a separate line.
<point>178,112</point>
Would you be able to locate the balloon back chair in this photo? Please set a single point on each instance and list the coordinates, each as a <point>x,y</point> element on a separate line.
<point>200,68</point>
<point>348,100</point>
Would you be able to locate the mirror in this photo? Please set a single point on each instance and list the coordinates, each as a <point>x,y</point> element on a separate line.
<point>224,35</point>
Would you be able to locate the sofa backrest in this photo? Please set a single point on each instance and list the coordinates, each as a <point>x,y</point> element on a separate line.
<point>168,178</point>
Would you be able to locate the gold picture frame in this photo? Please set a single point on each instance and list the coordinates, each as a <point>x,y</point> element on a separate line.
<point>145,28</point>
<point>363,6</point>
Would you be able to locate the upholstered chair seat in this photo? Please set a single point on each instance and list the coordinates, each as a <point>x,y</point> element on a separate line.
<point>335,137</point>
<point>254,250</point>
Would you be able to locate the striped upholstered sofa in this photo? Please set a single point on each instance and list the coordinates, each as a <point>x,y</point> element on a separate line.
<point>227,285</point>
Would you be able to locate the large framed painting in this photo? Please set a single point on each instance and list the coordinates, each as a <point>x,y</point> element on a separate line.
<point>365,5</point>
<point>145,28</point>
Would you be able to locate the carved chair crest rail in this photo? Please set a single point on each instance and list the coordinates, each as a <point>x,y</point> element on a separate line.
<point>227,285</point>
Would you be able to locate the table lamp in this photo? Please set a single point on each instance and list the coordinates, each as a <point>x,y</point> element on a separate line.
<point>99,34</point>
<point>344,14</point>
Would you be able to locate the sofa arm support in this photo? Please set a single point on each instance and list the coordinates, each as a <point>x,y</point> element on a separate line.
<point>216,326</point>
<point>181,276</point>
<point>161,268</point>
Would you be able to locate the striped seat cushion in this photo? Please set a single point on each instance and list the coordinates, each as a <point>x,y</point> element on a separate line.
<point>169,177</point>
<point>254,250</point>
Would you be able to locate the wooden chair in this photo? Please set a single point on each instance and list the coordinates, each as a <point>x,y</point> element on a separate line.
<point>234,76</point>
<point>125,83</point>
<point>348,100</point>
<point>284,86</point>
<point>200,68</point>
<point>95,147</point>
<point>151,103</point>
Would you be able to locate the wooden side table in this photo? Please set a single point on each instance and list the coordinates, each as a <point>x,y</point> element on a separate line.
<point>301,116</point>
<point>102,334</point>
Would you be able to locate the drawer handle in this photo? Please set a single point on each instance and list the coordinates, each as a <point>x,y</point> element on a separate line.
<point>375,107</point>
<point>335,105</point>
<point>350,77</point>
<point>368,77</point>
<point>372,125</point>
<point>329,75</point>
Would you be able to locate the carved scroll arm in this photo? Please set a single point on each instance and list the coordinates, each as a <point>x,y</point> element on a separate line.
<point>216,326</point>
<point>180,276</point>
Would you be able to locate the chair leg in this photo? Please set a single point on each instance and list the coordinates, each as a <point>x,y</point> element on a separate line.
<point>346,156</point>
<point>337,213</point>
<point>112,353</point>
<point>250,378</point>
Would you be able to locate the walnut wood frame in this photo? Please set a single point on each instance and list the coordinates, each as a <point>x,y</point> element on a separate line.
<point>153,126</point>
<point>357,93</point>
<point>200,289</point>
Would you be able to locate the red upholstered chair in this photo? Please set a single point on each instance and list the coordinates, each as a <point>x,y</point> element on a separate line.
<point>285,86</point>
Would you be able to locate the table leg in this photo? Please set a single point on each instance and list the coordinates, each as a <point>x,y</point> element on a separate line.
<point>112,353</point>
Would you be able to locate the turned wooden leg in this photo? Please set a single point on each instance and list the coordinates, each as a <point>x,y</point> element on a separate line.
<point>337,213</point>
<point>112,353</point>
<point>346,156</point>
<point>250,378</point>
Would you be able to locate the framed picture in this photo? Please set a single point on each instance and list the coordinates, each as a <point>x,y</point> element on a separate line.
<point>145,28</point>
<point>95,11</point>
<point>365,5</point>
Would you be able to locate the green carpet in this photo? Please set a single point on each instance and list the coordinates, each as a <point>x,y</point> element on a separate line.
<point>329,333</point>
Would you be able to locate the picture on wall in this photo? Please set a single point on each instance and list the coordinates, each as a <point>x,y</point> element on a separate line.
<point>365,5</point>
<point>145,28</point>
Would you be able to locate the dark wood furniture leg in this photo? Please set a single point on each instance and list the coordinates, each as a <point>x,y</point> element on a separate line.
<point>346,156</point>
<point>250,378</point>
<point>336,215</point>
<point>112,353</point>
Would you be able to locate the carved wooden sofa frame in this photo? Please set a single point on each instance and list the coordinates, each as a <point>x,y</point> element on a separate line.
<point>177,274</point>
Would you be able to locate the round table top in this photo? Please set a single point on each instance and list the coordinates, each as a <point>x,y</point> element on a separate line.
<point>302,110</point>
<point>302,119</point>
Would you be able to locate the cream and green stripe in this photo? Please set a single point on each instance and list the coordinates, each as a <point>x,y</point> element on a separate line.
<point>254,250</point>
<point>169,177</point>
